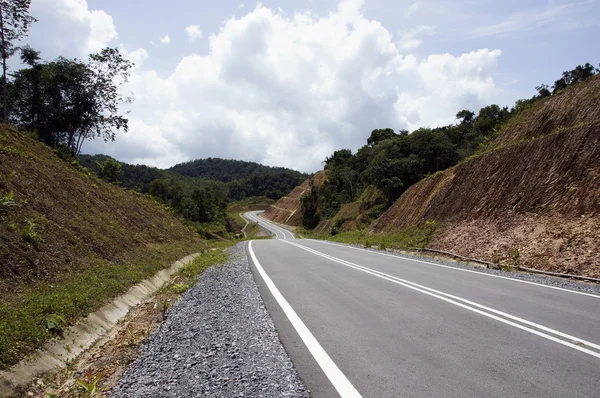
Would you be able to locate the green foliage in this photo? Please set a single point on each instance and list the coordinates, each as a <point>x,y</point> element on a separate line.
<point>226,170</point>
<point>24,315</point>
<point>515,258</point>
<point>412,237</point>
<point>569,78</point>
<point>6,202</point>
<point>88,386</point>
<point>380,135</point>
<point>110,170</point>
<point>194,197</point>
<point>68,101</point>
<point>15,25</point>
<point>309,205</point>
<point>30,233</point>
<point>55,323</point>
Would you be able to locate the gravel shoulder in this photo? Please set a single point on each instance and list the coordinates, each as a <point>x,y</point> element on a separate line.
<point>218,341</point>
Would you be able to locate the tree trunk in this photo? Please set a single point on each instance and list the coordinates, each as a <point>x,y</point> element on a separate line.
<point>5,116</point>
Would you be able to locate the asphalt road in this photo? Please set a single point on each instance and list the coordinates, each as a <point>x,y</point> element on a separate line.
<point>362,323</point>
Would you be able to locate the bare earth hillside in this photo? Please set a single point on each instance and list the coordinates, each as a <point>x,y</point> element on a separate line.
<point>69,241</point>
<point>537,191</point>
<point>287,210</point>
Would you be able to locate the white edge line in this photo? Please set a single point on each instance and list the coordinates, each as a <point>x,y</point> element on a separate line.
<point>333,373</point>
<point>459,269</point>
<point>274,227</point>
<point>255,218</point>
<point>439,295</point>
<point>282,230</point>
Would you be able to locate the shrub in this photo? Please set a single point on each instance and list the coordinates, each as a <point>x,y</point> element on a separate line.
<point>515,258</point>
<point>110,170</point>
<point>55,323</point>
<point>29,232</point>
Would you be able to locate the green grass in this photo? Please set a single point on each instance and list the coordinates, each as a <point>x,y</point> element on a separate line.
<point>237,218</point>
<point>413,237</point>
<point>207,259</point>
<point>26,313</point>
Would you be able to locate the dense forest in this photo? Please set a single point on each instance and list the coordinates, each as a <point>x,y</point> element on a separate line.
<point>392,161</point>
<point>199,190</point>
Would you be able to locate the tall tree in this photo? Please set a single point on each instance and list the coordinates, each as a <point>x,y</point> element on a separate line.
<point>68,101</point>
<point>14,25</point>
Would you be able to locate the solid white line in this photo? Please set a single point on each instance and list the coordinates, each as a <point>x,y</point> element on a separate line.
<point>255,218</point>
<point>460,269</point>
<point>440,295</point>
<point>472,303</point>
<point>333,373</point>
<point>274,227</point>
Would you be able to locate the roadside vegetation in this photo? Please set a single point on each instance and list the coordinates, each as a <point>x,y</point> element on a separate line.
<point>409,238</point>
<point>235,211</point>
<point>37,312</point>
<point>104,363</point>
<point>200,191</point>
<point>391,162</point>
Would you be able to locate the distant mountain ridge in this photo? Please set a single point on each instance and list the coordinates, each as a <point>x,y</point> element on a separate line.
<point>243,179</point>
<point>226,170</point>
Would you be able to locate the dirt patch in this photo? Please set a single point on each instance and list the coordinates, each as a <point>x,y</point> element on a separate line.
<point>287,210</point>
<point>539,194</point>
<point>577,105</point>
<point>549,243</point>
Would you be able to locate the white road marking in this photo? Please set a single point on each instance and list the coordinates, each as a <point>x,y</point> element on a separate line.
<point>333,373</point>
<point>460,269</point>
<point>455,300</point>
<point>255,218</point>
<point>272,226</point>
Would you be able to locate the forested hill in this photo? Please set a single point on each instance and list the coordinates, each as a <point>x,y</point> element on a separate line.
<point>241,179</point>
<point>226,170</point>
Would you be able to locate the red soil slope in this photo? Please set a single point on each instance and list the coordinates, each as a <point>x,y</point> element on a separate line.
<point>537,191</point>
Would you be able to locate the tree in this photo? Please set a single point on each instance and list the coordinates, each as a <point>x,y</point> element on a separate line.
<point>68,101</point>
<point>160,190</point>
<point>577,75</point>
<point>543,90</point>
<point>14,25</point>
<point>110,170</point>
<point>380,135</point>
<point>466,116</point>
<point>309,205</point>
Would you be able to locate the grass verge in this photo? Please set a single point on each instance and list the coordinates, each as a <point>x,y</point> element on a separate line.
<point>31,315</point>
<point>413,237</point>
<point>105,362</point>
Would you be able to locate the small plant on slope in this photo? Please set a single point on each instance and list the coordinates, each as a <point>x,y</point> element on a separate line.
<point>29,233</point>
<point>6,202</point>
<point>88,386</point>
<point>515,258</point>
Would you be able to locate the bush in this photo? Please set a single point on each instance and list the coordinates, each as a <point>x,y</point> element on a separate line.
<point>29,232</point>
<point>110,170</point>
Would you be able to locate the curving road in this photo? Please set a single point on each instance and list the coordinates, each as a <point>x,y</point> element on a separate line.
<point>362,323</point>
<point>276,230</point>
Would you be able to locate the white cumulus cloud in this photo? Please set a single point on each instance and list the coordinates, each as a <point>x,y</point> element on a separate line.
<point>193,32</point>
<point>70,28</point>
<point>290,89</point>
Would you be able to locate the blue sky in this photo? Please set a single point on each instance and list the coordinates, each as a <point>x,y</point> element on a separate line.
<point>287,82</point>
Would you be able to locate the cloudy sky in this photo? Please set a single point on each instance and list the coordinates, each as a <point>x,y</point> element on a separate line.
<point>287,82</point>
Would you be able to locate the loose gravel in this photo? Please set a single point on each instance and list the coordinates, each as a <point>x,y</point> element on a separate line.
<point>586,287</point>
<point>218,341</point>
